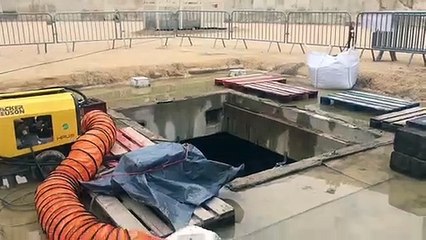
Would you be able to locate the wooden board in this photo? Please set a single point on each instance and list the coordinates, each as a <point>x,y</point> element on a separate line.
<point>118,213</point>
<point>147,216</point>
<point>129,139</point>
<point>364,101</point>
<point>248,79</point>
<point>278,91</point>
<point>393,121</point>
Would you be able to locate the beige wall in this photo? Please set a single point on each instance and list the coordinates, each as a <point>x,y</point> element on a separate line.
<point>288,5</point>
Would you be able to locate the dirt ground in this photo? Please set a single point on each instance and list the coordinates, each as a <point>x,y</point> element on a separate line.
<point>95,64</point>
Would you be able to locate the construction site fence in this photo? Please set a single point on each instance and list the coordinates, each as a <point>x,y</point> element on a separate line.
<point>403,31</point>
<point>267,26</point>
<point>391,31</point>
<point>203,24</point>
<point>26,29</point>
<point>319,28</point>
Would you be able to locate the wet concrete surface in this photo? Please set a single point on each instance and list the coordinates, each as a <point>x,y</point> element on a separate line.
<point>18,221</point>
<point>368,214</point>
<point>162,90</point>
<point>324,203</point>
<point>270,203</point>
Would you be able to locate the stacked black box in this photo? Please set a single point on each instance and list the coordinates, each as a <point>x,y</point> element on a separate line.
<point>409,156</point>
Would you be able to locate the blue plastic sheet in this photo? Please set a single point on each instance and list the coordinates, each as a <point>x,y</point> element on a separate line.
<point>171,177</point>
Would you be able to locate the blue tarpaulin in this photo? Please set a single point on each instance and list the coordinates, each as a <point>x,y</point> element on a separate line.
<point>171,177</point>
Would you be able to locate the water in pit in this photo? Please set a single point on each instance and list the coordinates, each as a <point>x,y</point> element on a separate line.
<point>226,148</point>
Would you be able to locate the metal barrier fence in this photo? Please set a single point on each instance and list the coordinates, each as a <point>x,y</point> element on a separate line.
<point>26,29</point>
<point>267,26</point>
<point>203,24</point>
<point>391,31</point>
<point>147,24</point>
<point>319,28</point>
<point>87,26</point>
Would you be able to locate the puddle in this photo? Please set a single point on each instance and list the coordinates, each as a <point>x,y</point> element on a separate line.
<point>125,96</point>
<point>392,210</point>
<point>16,222</point>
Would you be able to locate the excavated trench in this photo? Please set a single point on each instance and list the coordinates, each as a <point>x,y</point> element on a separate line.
<point>240,129</point>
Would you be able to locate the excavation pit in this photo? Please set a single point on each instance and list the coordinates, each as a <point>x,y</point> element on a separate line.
<point>236,128</point>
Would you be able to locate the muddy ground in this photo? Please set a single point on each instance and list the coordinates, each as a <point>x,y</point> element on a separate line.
<point>95,64</point>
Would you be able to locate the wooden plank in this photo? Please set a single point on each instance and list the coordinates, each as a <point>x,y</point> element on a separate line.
<point>399,113</point>
<point>282,87</point>
<point>253,82</point>
<point>204,215</point>
<point>379,96</point>
<point>263,89</point>
<point>126,142</point>
<point>147,216</point>
<point>301,88</point>
<point>136,137</point>
<point>241,77</point>
<point>219,207</point>
<point>372,100</point>
<point>230,84</point>
<point>292,87</point>
<point>118,212</point>
<point>118,149</point>
<point>272,174</point>
<point>406,116</point>
<point>261,78</point>
<point>133,124</point>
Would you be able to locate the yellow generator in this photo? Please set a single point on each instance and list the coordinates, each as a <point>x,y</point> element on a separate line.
<point>34,122</point>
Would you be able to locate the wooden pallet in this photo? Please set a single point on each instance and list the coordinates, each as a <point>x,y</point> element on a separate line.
<point>277,91</point>
<point>393,121</point>
<point>130,214</point>
<point>364,101</point>
<point>229,82</point>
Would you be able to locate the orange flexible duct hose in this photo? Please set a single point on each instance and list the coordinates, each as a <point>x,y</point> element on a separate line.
<point>59,210</point>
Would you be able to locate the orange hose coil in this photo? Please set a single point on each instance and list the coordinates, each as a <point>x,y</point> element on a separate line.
<point>60,212</point>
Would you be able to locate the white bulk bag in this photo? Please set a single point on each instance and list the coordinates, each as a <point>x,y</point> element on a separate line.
<point>333,72</point>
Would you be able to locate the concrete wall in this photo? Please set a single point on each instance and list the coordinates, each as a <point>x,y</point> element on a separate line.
<point>180,120</point>
<point>276,135</point>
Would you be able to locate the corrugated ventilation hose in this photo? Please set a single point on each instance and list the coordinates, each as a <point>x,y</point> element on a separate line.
<point>60,212</point>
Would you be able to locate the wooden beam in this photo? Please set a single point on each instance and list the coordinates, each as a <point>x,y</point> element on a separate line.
<point>279,172</point>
